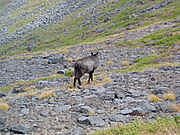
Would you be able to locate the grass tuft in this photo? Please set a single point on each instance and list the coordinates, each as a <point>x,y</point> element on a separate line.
<point>154,98</point>
<point>110,62</point>
<point>48,94</point>
<point>141,64</point>
<point>169,96</point>
<point>175,107</point>
<point>29,82</point>
<point>4,106</point>
<point>125,63</point>
<point>69,73</point>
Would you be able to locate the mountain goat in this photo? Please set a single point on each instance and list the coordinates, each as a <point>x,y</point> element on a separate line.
<point>85,65</point>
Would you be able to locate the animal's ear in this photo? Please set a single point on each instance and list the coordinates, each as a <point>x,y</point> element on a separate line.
<point>97,53</point>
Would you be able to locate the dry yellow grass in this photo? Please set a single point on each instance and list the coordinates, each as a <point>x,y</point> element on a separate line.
<point>70,60</point>
<point>176,33</point>
<point>30,88</point>
<point>104,81</point>
<point>154,98</point>
<point>71,88</point>
<point>119,35</point>
<point>169,96</point>
<point>125,63</point>
<point>4,106</point>
<point>110,62</point>
<point>175,107</point>
<point>30,94</point>
<point>47,95</point>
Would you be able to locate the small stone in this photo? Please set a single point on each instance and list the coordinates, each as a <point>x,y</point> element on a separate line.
<point>25,111</point>
<point>165,68</point>
<point>42,84</point>
<point>17,90</point>
<point>56,59</point>
<point>136,93</point>
<point>149,107</point>
<point>84,120</point>
<point>160,90</point>
<point>109,95</point>
<point>91,120</point>
<point>59,92</point>
<point>86,109</point>
<point>153,79</point>
<point>126,111</point>
<point>119,95</point>
<point>163,107</point>
<point>2,124</point>
<point>118,118</point>
<point>44,113</point>
<point>62,108</point>
<point>98,90</point>
<point>138,111</point>
<point>100,111</point>
<point>2,95</point>
<point>128,100</point>
<point>19,129</point>
<point>78,131</point>
<point>30,47</point>
<point>99,30</point>
<point>61,72</point>
<point>96,121</point>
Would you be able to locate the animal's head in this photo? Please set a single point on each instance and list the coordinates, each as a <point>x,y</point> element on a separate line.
<point>95,54</point>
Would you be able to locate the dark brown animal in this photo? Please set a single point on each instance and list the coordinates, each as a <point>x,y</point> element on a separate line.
<point>85,65</point>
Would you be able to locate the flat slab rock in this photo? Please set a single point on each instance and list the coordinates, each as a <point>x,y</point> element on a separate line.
<point>19,129</point>
<point>92,120</point>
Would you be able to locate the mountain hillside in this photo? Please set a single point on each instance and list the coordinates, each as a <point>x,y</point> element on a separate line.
<point>138,76</point>
<point>28,25</point>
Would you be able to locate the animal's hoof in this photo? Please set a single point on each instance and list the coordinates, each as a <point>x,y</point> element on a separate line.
<point>79,87</point>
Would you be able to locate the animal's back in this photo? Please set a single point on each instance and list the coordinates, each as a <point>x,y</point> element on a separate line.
<point>88,63</point>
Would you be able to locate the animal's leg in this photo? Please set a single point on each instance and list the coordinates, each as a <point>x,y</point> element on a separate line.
<point>75,81</point>
<point>79,81</point>
<point>89,78</point>
<point>92,77</point>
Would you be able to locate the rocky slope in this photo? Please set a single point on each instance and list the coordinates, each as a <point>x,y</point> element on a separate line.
<point>138,76</point>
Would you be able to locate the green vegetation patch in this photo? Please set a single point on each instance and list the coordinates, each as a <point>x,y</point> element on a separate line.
<point>161,38</point>
<point>162,126</point>
<point>19,24</point>
<point>142,64</point>
<point>29,82</point>
<point>149,62</point>
<point>69,73</point>
<point>170,12</point>
<point>32,5</point>
<point>3,3</point>
<point>71,31</point>
<point>165,37</point>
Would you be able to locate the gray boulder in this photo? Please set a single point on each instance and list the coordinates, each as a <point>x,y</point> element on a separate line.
<point>2,95</point>
<point>19,129</point>
<point>92,120</point>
